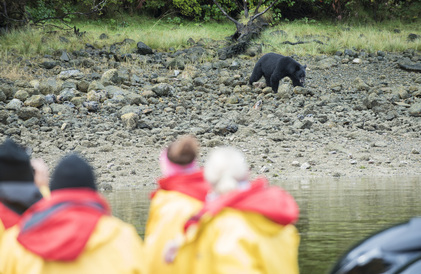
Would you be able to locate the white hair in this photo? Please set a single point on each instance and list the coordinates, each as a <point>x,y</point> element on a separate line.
<point>225,168</point>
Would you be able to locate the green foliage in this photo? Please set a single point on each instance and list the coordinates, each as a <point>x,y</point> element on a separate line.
<point>41,10</point>
<point>188,7</point>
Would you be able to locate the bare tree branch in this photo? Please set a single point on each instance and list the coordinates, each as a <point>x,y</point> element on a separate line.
<point>225,13</point>
<point>270,6</point>
<point>246,11</point>
<point>258,7</point>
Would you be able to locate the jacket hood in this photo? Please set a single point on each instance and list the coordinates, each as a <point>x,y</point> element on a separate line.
<point>273,203</point>
<point>191,184</point>
<point>58,228</point>
<point>19,196</point>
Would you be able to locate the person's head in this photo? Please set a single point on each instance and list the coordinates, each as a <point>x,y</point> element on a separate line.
<point>180,156</point>
<point>225,168</point>
<point>73,172</point>
<point>15,165</point>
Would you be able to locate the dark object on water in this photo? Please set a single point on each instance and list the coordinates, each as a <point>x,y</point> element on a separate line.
<point>393,250</point>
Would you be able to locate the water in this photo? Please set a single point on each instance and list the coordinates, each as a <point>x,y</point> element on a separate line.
<point>335,213</point>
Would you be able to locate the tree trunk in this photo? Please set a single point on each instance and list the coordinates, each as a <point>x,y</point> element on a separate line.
<point>245,32</point>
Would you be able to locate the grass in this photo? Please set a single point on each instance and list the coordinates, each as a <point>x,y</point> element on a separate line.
<point>163,35</point>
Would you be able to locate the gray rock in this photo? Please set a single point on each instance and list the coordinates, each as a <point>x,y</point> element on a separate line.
<point>110,77</point>
<point>130,120</point>
<point>143,49</point>
<point>97,96</point>
<point>35,101</point>
<point>71,74</point>
<point>130,109</point>
<point>3,116</point>
<point>96,85</point>
<point>415,110</point>
<point>48,63</point>
<point>232,100</point>
<point>163,89</point>
<point>200,81</point>
<point>21,95</point>
<point>26,113</point>
<point>61,109</point>
<point>91,105</point>
<point>3,96</point>
<point>66,95</point>
<point>303,124</point>
<point>64,57</point>
<point>326,63</point>
<point>14,104</point>
<point>176,63</point>
<point>103,36</point>
<point>50,86</point>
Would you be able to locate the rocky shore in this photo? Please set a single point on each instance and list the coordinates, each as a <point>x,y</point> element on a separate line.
<point>358,115</point>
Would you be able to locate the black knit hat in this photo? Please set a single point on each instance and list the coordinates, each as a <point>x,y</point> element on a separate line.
<point>73,172</point>
<point>15,165</point>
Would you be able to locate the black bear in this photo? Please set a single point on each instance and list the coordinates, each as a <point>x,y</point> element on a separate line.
<point>274,67</point>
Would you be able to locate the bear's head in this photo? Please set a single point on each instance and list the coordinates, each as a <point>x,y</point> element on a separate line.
<point>299,75</point>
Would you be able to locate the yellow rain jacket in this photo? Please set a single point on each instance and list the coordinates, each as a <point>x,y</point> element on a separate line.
<point>178,198</point>
<point>114,247</point>
<point>71,232</point>
<point>236,235</point>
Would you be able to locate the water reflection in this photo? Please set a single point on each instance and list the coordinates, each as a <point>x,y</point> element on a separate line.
<point>335,213</point>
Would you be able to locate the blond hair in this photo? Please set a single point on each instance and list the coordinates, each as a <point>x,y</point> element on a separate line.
<point>225,168</point>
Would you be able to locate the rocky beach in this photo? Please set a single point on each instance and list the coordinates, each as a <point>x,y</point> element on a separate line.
<point>359,113</point>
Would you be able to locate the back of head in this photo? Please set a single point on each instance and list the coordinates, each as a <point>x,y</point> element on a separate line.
<point>183,151</point>
<point>225,168</point>
<point>73,172</point>
<point>15,165</point>
<point>180,156</point>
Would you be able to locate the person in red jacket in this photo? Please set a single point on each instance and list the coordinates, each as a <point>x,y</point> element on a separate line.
<point>245,226</point>
<point>180,194</point>
<point>73,231</point>
<point>17,189</point>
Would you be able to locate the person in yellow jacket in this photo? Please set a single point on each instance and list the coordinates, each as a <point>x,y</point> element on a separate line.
<point>72,231</point>
<point>17,188</point>
<point>180,194</point>
<point>244,227</point>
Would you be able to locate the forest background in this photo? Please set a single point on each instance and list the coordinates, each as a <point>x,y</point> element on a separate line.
<point>370,25</point>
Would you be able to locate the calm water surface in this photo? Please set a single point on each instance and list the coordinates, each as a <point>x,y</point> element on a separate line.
<point>335,213</point>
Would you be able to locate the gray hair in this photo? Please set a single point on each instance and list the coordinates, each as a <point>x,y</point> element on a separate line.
<point>225,168</point>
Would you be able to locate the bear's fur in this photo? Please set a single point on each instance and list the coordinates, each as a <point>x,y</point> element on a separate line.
<point>274,67</point>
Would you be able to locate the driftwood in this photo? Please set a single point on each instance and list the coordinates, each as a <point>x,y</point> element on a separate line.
<point>411,67</point>
<point>302,42</point>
